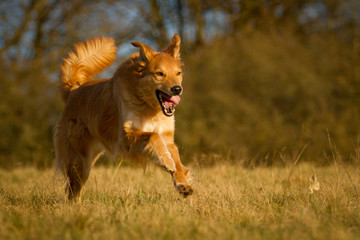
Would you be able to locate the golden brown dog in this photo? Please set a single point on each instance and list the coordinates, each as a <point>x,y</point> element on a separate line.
<point>129,114</point>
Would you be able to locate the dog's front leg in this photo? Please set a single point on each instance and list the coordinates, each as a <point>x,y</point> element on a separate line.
<point>182,175</point>
<point>151,145</point>
<point>159,152</point>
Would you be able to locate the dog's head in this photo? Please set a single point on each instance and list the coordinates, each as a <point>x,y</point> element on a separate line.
<point>160,76</point>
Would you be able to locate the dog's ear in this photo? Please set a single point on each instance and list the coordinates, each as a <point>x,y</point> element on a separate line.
<point>174,47</point>
<point>146,53</point>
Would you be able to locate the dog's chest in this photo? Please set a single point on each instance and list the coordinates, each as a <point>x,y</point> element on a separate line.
<point>154,124</point>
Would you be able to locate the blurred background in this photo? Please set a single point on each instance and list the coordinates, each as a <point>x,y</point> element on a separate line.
<point>266,81</point>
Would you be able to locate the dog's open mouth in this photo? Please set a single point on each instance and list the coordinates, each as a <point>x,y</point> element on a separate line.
<point>167,102</point>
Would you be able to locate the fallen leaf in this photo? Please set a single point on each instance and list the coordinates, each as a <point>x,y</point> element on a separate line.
<point>314,184</point>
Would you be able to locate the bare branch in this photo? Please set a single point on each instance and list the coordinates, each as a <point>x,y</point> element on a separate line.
<point>20,31</point>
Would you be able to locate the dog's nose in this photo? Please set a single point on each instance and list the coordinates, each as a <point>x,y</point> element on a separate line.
<point>176,90</point>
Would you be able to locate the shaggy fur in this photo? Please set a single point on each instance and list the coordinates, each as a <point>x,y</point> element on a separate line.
<point>129,114</point>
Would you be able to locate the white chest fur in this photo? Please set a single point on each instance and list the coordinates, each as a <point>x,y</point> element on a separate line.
<point>156,124</point>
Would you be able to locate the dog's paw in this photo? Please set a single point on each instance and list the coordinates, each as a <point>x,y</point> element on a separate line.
<point>184,189</point>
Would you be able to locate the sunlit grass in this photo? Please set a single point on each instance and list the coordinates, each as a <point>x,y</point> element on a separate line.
<point>230,202</point>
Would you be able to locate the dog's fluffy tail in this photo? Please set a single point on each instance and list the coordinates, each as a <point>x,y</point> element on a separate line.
<point>86,61</point>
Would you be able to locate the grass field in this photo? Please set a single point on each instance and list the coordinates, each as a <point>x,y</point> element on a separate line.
<point>231,202</point>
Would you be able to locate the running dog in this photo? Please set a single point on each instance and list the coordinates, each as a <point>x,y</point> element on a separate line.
<point>130,114</point>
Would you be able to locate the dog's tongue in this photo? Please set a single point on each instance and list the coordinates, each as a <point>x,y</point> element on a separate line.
<point>175,100</point>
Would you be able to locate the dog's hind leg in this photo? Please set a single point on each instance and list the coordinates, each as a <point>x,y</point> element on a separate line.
<point>75,157</point>
<point>84,156</point>
<point>78,173</point>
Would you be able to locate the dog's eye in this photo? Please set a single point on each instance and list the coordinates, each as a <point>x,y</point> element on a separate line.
<point>161,74</point>
<point>178,73</point>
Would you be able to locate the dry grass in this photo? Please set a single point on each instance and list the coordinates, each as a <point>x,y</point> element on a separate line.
<point>230,203</point>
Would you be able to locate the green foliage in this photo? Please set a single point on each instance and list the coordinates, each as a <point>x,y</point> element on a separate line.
<point>261,97</point>
<point>267,94</point>
<point>29,109</point>
<point>264,80</point>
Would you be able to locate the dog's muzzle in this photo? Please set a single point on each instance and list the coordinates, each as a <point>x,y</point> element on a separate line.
<point>167,102</point>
